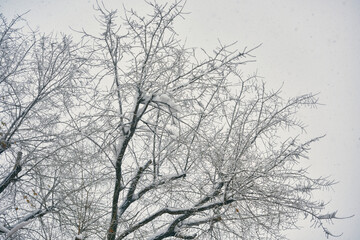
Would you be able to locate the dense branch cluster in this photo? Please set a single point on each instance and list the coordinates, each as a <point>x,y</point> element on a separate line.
<point>129,134</point>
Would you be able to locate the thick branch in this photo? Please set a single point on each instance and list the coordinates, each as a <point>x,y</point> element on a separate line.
<point>17,168</point>
<point>130,195</point>
<point>137,114</point>
<point>172,211</point>
<point>172,231</point>
<point>26,220</point>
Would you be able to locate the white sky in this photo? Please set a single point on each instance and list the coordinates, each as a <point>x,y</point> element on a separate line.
<point>309,45</point>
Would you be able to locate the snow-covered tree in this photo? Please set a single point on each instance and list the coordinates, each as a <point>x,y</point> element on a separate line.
<point>37,75</point>
<point>191,146</point>
<point>155,140</point>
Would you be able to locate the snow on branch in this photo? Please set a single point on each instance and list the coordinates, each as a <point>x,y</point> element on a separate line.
<point>174,211</point>
<point>3,229</point>
<point>167,100</point>
<point>130,195</point>
<point>156,184</point>
<point>17,227</point>
<point>199,221</point>
<point>332,215</point>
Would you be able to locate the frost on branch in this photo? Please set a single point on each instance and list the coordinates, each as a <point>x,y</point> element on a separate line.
<point>328,216</point>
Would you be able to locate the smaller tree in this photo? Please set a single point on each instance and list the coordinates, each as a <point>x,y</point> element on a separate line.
<point>37,76</point>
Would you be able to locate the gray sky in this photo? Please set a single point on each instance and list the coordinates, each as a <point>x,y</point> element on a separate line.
<point>310,46</point>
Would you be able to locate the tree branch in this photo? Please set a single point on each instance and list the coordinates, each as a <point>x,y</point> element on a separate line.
<point>11,176</point>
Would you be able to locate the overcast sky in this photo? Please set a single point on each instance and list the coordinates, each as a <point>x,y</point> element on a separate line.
<point>307,45</point>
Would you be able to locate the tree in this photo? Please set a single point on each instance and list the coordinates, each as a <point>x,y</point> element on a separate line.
<point>37,74</point>
<point>167,141</point>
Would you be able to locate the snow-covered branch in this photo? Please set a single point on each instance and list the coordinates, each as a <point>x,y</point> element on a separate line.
<point>130,194</point>
<point>186,212</point>
<point>157,184</point>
